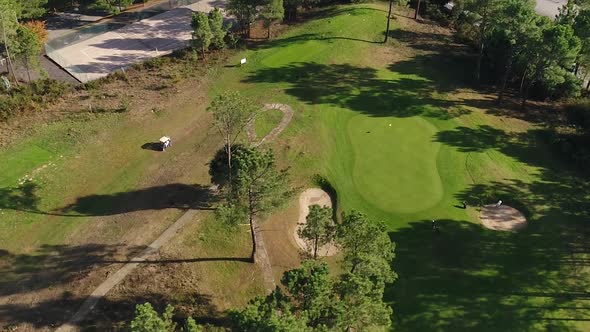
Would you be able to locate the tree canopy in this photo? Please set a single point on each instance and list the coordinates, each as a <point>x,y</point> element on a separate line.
<point>319,228</point>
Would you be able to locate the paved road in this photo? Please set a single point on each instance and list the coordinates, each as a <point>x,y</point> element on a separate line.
<point>549,8</point>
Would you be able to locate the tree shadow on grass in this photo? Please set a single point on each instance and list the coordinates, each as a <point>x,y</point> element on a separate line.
<point>64,267</point>
<point>110,314</point>
<point>467,278</point>
<point>52,265</point>
<point>359,89</point>
<point>174,195</point>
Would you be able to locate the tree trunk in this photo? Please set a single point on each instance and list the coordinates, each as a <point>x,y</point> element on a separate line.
<point>522,81</point>
<point>8,57</point>
<point>526,95</point>
<point>315,248</point>
<point>26,62</point>
<point>388,19</point>
<point>268,31</point>
<point>250,203</point>
<point>229,168</point>
<point>505,78</point>
<point>479,59</point>
<point>481,44</point>
<point>417,10</point>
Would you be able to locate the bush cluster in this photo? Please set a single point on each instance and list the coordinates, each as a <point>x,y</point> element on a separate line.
<point>31,97</point>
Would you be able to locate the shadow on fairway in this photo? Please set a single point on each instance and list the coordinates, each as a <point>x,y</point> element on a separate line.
<point>359,89</point>
<point>468,278</point>
<point>174,195</point>
<point>52,265</point>
<point>560,194</point>
<point>63,265</point>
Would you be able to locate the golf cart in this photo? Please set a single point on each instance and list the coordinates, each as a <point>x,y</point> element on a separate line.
<point>165,142</point>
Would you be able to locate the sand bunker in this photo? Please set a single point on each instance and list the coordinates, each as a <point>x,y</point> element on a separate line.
<point>502,218</point>
<point>310,197</point>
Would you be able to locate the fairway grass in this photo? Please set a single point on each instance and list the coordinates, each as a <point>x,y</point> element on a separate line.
<point>266,121</point>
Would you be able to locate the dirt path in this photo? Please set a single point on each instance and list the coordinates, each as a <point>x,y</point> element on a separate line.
<point>307,198</point>
<point>115,278</point>
<point>287,116</point>
<point>264,261</point>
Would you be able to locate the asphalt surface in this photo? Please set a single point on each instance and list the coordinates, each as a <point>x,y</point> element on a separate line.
<point>549,8</point>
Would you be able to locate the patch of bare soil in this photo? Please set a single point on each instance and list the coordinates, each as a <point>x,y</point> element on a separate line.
<point>502,218</point>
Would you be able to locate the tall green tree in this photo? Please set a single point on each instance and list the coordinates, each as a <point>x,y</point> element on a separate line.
<point>272,313</point>
<point>313,300</point>
<point>202,34</point>
<point>231,113</point>
<point>147,319</point>
<point>582,30</point>
<point>112,6</point>
<point>9,13</point>
<point>218,32</point>
<point>514,25</point>
<point>291,7</point>
<point>361,305</point>
<point>272,11</point>
<point>481,15</point>
<point>33,8</point>
<point>245,12</point>
<point>319,228</point>
<point>310,288</point>
<point>366,246</point>
<point>549,53</point>
<point>259,185</point>
<point>27,48</point>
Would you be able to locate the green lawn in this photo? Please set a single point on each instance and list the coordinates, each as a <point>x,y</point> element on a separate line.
<point>265,122</point>
<point>406,141</point>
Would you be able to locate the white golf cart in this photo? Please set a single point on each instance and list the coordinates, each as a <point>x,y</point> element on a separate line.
<point>165,142</point>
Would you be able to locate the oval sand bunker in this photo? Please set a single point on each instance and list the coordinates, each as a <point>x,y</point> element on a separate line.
<point>502,218</point>
<point>310,197</point>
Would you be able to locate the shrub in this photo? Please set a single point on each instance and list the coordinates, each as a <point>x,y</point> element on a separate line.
<point>578,114</point>
<point>30,97</point>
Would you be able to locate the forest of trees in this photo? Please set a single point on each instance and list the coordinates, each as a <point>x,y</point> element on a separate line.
<point>517,48</point>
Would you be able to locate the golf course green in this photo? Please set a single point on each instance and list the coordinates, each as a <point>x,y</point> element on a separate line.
<point>405,140</point>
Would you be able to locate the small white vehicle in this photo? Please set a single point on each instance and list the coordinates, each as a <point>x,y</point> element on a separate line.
<point>165,142</point>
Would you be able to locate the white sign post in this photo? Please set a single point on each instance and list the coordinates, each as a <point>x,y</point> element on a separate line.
<point>243,62</point>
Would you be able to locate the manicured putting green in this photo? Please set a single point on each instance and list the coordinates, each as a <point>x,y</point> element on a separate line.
<point>395,162</point>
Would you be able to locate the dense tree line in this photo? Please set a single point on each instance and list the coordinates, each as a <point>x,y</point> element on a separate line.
<point>21,38</point>
<point>313,299</point>
<point>517,48</point>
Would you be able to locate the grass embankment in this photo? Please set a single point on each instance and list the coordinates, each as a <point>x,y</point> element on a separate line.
<point>401,136</point>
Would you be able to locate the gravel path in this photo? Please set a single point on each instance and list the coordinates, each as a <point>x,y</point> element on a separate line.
<point>287,116</point>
